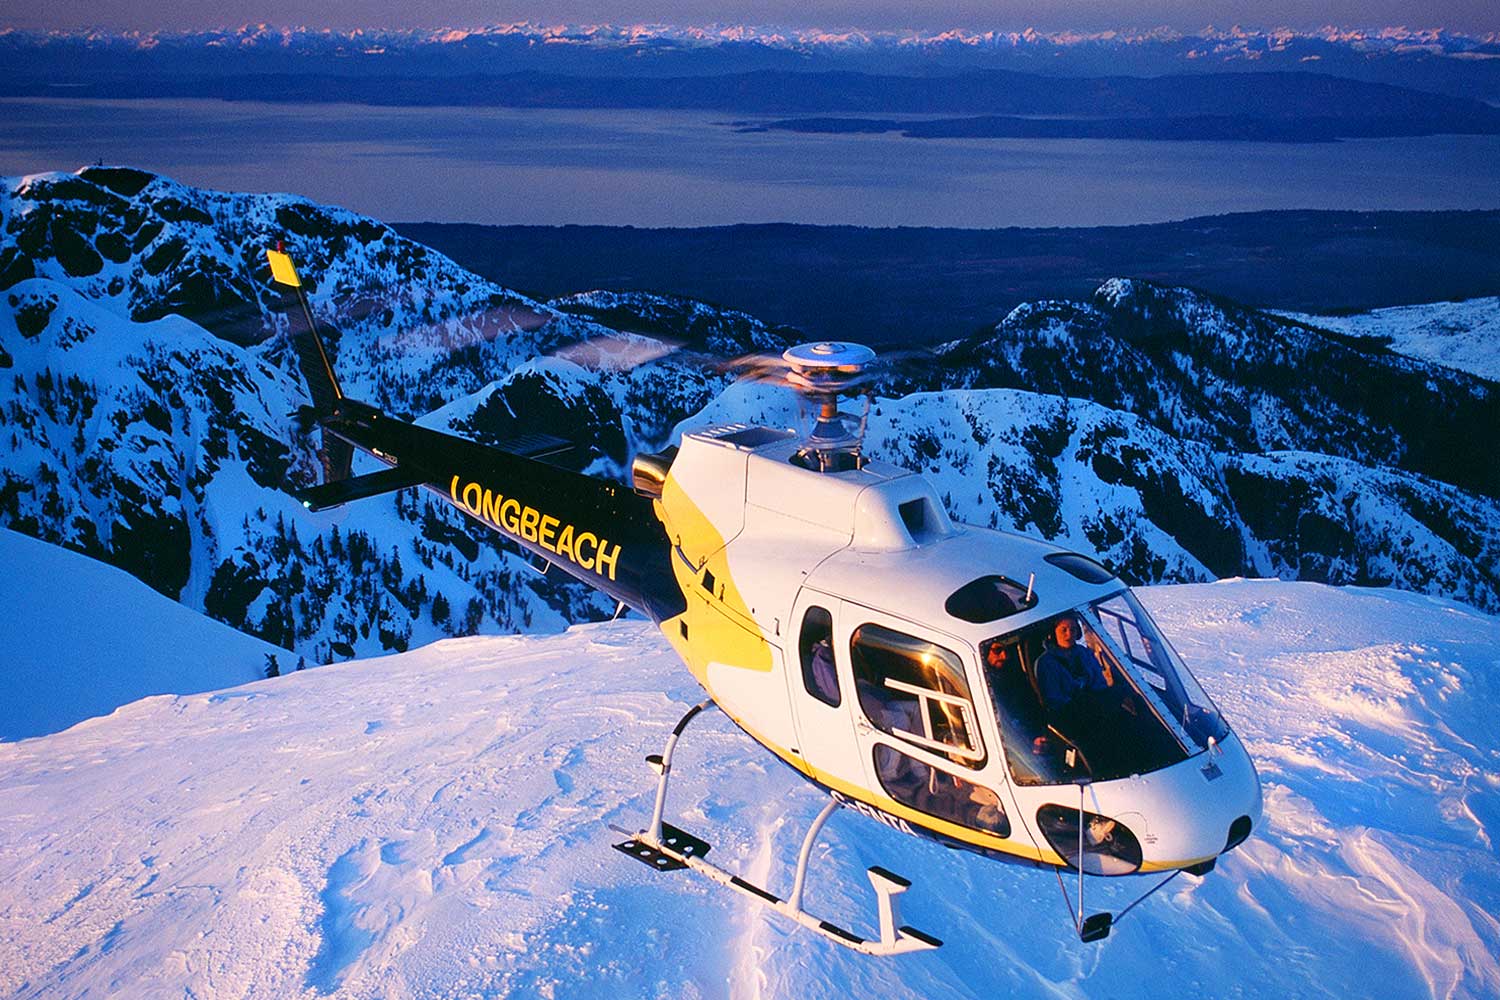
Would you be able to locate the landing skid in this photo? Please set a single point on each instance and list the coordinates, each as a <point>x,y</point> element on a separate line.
<point>663,847</point>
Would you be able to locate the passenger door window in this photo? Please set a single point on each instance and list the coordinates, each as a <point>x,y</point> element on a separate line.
<point>815,644</point>
<point>915,690</point>
<point>938,793</point>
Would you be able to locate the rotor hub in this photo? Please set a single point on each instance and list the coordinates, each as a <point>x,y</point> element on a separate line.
<point>830,366</point>
<point>821,373</point>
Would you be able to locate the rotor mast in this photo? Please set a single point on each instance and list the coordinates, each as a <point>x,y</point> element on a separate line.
<point>822,373</point>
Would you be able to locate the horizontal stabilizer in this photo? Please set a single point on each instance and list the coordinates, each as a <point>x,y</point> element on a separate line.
<point>344,490</point>
<point>537,446</point>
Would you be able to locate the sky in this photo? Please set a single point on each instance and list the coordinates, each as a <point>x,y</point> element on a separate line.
<point>1473,16</point>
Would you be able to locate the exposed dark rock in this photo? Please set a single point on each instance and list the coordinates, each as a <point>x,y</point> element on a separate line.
<point>15,266</point>
<point>113,246</point>
<point>153,546</point>
<point>538,400</point>
<point>124,181</point>
<point>32,312</point>
<point>235,585</point>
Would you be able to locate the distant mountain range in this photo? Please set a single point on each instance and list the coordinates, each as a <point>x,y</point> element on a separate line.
<point>148,418</point>
<point>1269,107</point>
<point>1430,59</point>
<point>260,57</point>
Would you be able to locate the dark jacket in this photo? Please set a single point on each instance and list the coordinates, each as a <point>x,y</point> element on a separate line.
<point>1062,673</point>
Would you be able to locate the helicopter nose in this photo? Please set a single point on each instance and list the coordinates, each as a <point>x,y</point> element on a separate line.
<point>1220,816</point>
<point>1188,815</point>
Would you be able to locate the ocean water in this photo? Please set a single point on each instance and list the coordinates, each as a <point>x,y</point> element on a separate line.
<point>683,168</point>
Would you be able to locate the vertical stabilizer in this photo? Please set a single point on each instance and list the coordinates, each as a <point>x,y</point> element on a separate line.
<point>312,357</point>
<point>317,369</point>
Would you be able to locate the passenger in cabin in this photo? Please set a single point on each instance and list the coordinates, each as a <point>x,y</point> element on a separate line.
<point>1068,673</point>
<point>825,681</point>
<point>939,793</point>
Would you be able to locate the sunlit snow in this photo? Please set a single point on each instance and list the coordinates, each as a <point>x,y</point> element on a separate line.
<point>435,824</point>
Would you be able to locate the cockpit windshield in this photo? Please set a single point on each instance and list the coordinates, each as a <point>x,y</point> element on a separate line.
<point>1096,692</point>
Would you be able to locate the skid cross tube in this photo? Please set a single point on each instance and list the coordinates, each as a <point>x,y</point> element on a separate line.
<point>663,847</point>
<point>807,846</point>
<point>663,766</point>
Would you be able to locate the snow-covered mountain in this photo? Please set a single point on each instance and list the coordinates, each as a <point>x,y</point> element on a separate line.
<point>146,428</point>
<point>151,422</point>
<point>1461,335</point>
<point>436,824</point>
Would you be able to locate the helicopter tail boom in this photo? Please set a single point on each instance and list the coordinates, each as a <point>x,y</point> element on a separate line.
<point>597,531</point>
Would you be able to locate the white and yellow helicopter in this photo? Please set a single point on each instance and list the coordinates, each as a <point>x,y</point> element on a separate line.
<point>982,689</point>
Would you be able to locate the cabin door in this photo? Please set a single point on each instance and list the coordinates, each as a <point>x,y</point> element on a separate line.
<point>916,721</point>
<point>818,683</point>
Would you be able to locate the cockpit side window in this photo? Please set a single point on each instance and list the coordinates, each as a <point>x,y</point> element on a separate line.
<point>815,644</point>
<point>1168,683</point>
<point>915,690</point>
<point>1031,751</point>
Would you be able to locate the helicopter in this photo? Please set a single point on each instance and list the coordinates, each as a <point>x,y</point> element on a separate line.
<point>985,690</point>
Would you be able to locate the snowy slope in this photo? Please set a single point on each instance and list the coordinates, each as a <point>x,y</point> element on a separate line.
<point>434,824</point>
<point>82,638</point>
<point>1462,335</point>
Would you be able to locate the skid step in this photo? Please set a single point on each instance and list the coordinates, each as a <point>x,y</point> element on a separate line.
<point>672,838</point>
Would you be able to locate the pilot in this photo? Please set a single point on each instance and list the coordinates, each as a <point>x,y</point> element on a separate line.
<point>1068,670</point>
<point>1023,730</point>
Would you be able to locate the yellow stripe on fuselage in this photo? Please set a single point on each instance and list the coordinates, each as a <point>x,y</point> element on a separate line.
<point>718,625</point>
